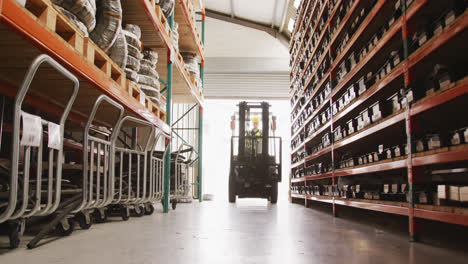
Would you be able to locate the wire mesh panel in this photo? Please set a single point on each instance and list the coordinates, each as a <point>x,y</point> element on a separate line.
<point>34,180</point>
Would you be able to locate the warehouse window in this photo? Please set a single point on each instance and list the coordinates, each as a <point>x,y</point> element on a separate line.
<point>291,25</point>
<point>297,3</point>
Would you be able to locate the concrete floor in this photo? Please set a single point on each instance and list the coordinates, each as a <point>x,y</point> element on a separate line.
<point>250,231</point>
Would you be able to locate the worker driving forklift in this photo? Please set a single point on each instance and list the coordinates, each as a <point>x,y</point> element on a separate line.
<point>255,167</point>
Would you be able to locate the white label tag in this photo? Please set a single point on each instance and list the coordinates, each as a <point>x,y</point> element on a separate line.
<point>172,56</point>
<point>32,130</point>
<point>21,2</point>
<point>142,98</point>
<point>55,140</point>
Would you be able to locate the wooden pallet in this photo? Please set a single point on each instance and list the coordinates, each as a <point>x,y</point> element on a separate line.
<point>134,92</point>
<point>156,110</point>
<point>164,22</point>
<point>193,21</point>
<point>162,115</point>
<point>195,81</point>
<point>132,89</point>
<point>44,12</point>
<point>98,58</point>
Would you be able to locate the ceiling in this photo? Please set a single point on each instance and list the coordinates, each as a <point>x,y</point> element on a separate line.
<point>246,55</point>
<point>266,12</point>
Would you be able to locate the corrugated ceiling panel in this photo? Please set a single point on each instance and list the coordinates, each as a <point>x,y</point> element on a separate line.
<point>260,11</point>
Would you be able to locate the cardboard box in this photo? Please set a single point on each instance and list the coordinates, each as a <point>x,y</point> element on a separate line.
<point>337,135</point>
<point>388,153</point>
<point>352,91</point>
<point>454,193</point>
<point>464,194</point>
<point>344,132</point>
<point>455,139</point>
<point>420,145</point>
<point>397,151</point>
<point>442,191</point>
<point>450,17</point>
<point>386,188</point>
<point>361,85</point>
<point>433,142</point>
<point>395,58</point>
<point>438,27</point>
<point>376,156</point>
<point>376,110</point>
<point>366,117</point>
<point>335,108</point>
<point>351,126</point>
<point>359,122</point>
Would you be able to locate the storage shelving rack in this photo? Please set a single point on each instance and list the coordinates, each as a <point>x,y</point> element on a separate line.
<point>27,31</point>
<point>318,85</point>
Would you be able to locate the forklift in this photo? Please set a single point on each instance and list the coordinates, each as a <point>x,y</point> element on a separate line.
<point>255,167</point>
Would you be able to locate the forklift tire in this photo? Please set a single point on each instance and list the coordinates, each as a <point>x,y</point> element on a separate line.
<point>232,190</point>
<point>274,193</point>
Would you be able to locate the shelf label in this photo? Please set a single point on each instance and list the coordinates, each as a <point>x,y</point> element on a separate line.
<point>32,130</point>
<point>55,140</point>
<point>142,98</point>
<point>21,2</point>
<point>171,55</point>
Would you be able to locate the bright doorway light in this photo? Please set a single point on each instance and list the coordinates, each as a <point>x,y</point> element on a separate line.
<point>216,145</point>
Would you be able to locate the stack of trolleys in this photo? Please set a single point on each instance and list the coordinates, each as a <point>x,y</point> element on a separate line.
<point>131,164</point>
<point>156,171</point>
<point>98,177</point>
<point>35,183</point>
<point>180,184</point>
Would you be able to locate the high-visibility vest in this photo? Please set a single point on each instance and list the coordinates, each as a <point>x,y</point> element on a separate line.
<point>251,133</point>
<point>249,141</point>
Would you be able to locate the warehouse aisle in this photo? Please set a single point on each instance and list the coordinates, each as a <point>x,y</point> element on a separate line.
<point>249,232</point>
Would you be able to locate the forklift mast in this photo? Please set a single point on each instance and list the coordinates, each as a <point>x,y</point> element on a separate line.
<point>244,115</point>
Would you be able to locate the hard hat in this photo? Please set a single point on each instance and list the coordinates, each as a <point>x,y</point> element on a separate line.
<point>255,120</point>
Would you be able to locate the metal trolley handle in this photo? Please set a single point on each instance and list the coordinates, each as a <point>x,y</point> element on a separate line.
<point>8,213</point>
<point>85,204</point>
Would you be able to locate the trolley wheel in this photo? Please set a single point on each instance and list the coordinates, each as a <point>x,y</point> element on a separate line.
<point>14,236</point>
<point>149,209</point>
<point>100,216</point>
<point>174,205</point>
<point>274,193</point>
<point>65,229</point>
<point>124,213</point>
<point>139,210</point>
<point>83,221</point>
